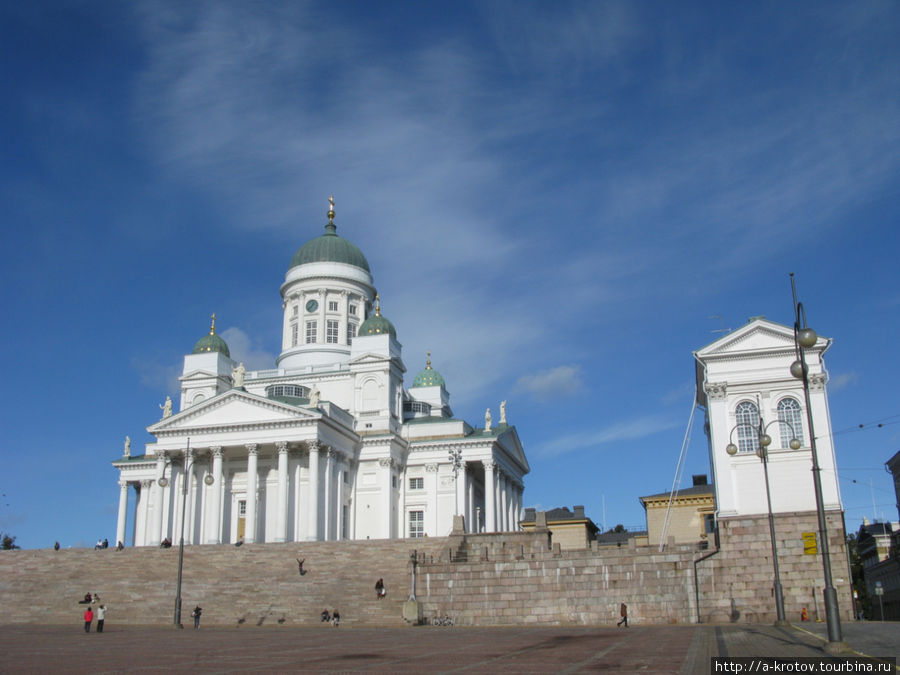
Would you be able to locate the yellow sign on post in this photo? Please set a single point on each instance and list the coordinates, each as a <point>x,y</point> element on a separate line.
<point>810,544</point>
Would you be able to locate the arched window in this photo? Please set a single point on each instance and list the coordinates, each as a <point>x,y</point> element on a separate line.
<point>789,411</point>
<point>746,417</point>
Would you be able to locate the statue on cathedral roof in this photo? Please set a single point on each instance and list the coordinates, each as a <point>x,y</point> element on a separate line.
<point>487,419</point>
<point>127,451</point>
<point>237,375</point>
<point>167,407</point>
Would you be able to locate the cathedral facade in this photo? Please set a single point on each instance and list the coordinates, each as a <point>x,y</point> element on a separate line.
<point>327,445</point>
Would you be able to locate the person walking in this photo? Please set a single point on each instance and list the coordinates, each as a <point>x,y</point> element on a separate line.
<point>101,615</point>
<point>88,618</point>
<point>196,616</point>
<point>623,612</point>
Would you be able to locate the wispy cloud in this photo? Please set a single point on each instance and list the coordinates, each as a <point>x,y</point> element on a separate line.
<point>553,383</point>
<point>621,431</point>
<point>244,349</point>
<point>842,381</point>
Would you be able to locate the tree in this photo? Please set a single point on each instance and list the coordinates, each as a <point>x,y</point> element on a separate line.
<point>617,529</point>
<point>858,574</point>
<point>8,543</point>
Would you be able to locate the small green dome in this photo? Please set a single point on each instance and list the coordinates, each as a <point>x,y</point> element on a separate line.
<point>376,324</point>
<point>330,248</point>
<point>428,377</point>
<point>211,342</point>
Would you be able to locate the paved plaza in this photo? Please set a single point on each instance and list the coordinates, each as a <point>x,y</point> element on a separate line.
<point>645,649</point>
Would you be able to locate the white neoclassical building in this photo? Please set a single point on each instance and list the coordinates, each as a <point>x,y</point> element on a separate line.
<point>328,444</point>
<point>744,378</point>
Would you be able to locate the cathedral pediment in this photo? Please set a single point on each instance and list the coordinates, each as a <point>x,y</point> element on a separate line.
<point>233,408</point>
<point>756,336</point>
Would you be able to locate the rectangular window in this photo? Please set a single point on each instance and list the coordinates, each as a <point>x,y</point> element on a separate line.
<point>310,332</point>
<point>332,306</point>
<point>351,333</point>
<point>417,524</point>
<point>416,483</point>
<point>242,508</point>
<point>353,310</point>
<point>294,310</point>
<point>331,332</point>
<point>294,334</point>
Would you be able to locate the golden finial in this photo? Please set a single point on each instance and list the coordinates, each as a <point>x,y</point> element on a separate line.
<point>331,209</point>
<point>428,360</point>
<point>212,328</point>
<point>377,305</point>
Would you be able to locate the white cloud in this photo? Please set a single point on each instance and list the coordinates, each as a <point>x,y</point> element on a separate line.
<point>553,383</point>
<point>838,382</point>
<point>622,431</point>
<point>247,350</point>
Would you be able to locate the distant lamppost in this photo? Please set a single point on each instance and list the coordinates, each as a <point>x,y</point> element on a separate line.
<point>805,338</point>
<point>456,462</point>
<point>762,451</point>
<point>188,464</point>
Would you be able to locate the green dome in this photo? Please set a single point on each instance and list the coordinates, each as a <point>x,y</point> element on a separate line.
<point>330,248</point>
<point>376,324</point>
<point>428,377</point>
<point>211,342</point>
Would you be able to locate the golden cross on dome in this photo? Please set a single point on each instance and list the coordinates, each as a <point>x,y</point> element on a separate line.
<point>331,208</point>
<point>428,360</point>
<point>212,328</point>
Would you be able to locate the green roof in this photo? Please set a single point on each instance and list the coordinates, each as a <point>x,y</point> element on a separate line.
<point>376,325</point>
<point>211,343</point>
<point>330,248</point>
<point>428,378</point>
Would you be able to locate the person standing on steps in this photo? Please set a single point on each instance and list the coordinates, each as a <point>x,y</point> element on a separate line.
<point>623,612</point>
<point>196,616</point>
<point>101,615</point>
<point>88,618</point>
<point>379,589</point>
<point>300,566</point>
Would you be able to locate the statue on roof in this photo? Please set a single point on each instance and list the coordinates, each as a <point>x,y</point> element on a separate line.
<point>502,412</point>
<point>487,419</point>
<point>237,375</point>
<point>127,451</point>
<point>314,395</point>
<point>167,407</point>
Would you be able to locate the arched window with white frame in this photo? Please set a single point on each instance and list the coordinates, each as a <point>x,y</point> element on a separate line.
<point>746,417</point>
<point>789,411</point>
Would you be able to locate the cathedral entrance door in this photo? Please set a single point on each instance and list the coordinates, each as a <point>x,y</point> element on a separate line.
<point>242,513</point>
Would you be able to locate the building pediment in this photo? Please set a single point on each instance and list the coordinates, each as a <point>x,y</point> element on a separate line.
<point>233,408</point>
<point>758,335</point>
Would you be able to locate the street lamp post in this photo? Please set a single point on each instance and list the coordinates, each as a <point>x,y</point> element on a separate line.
<point>163,482</point>
<point>804,338</point>
<point>762,451</point>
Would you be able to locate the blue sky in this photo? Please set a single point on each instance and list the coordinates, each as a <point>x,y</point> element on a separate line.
<point>554,198</point>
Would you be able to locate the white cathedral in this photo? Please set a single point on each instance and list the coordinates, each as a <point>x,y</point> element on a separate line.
<point>327,445</point>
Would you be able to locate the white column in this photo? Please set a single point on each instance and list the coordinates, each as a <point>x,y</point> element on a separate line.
<point>461,491</point>
<point>431,488</point>
<point>312,532</point>
<point>498,514</point>
<point>141,526</point>
<point>329,491</point>
<point>386,488</point>
<point>188,495</point>
<point>490,496</point>
<point>250,518</point>
<point>299,525</point>
<point>504,505</point>
<point>123,511</point>
<point>214,510</point>
<point>157,492</point>
<point>471,525</point>
<point>339,500</point>
<point>281,516</point>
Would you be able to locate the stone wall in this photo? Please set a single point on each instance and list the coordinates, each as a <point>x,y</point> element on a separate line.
<point>512,578</point>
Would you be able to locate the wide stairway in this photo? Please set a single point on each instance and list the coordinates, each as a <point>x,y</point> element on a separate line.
<point>253,584</point>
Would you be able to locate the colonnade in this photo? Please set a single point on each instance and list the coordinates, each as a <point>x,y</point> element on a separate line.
<point>318,515</point>
<point>502,499</point>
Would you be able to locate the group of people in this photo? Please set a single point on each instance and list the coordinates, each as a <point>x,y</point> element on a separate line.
<point>89,618</point>
<point>334,617</point>
<point>101,543</point>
